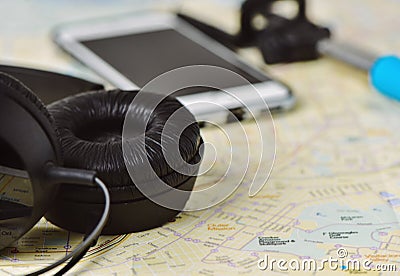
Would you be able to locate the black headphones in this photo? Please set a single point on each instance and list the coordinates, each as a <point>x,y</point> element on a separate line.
<point>78,140</point>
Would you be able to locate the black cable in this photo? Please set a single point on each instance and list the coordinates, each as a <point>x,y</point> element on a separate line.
<point>74,260</point>
<point>88,242</point>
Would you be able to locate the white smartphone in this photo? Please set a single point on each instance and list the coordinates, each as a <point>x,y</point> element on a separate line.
<point>126,52</point>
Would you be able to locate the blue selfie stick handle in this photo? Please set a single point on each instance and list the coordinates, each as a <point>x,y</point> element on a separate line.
<point>384,71</point>
<point>385,76</point>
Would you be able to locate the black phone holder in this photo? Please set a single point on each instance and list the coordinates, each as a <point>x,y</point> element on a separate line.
<point>282,40</point>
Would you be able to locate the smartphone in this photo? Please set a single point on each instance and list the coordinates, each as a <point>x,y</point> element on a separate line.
<point>126,51</point>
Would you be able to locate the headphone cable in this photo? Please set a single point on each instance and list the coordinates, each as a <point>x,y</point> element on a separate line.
<point>81,249</point>
<point>74,260</point>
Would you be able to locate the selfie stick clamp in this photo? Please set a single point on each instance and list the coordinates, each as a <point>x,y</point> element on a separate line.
<point>282,40</point>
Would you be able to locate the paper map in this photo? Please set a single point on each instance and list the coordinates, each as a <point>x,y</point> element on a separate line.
<point>335,183</point>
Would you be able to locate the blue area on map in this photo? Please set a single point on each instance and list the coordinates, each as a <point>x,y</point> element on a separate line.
<point>329,219</point>
<point>394,202</point>
<point>386,194</point>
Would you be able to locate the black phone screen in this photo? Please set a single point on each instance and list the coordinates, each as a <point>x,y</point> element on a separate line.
<point>143,56</point>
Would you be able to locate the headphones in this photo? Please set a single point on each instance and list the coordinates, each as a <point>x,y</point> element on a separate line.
<point>69,147</point>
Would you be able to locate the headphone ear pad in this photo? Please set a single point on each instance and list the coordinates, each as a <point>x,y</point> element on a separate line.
<point>91,126</point>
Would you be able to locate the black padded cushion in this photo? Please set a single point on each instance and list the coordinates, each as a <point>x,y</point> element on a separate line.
<point>90,127</point>
<point>49,86</point>
<point>19,92</point>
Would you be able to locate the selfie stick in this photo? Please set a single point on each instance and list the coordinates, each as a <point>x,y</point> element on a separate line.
<point>384,71</point>
<point>296,39</point>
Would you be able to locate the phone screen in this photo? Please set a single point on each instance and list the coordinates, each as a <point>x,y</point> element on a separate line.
<point>141,57</point>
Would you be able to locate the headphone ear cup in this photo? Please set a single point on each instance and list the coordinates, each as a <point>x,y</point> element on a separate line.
<point>28,141</point>
<point>90,127</point>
